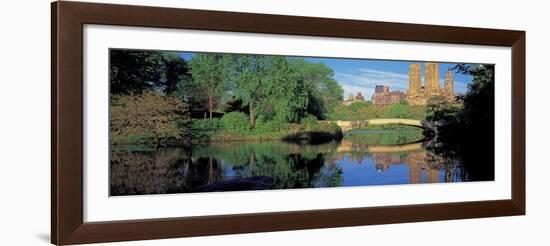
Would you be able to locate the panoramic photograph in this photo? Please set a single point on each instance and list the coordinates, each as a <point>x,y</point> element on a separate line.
<point>189,122</point>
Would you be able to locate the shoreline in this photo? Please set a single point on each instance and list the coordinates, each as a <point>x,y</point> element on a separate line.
<point>217,138</point>
<point>316,135</point>
<point>310,136</point>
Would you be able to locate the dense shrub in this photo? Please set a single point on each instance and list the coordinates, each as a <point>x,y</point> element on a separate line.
<point>207,124</point>
<point>309,120</point>
<point>236,121</point>
<point>356,106</point>
<point>146,116</point>
<point>264,126</point>
<point>397,110</point>
<point>331,128</point>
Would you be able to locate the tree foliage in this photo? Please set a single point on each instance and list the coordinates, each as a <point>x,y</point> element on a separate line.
<point>209,79</point>
<point>236,121</point>
<point>135,71</point>
<point>286,92</point>
<point>269,85</point>
<point>177,74</point>
<point>148,116</point>
<point>439,108</point>
<point>479,101</point>
<point>366,110</point>
<point>471,138</point>
<point>324,93</point>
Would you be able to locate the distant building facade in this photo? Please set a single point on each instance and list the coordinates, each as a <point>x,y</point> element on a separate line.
<point>383,96</point>
<point>359,97</point>
<point>352,99</point>
<point>419,94</point>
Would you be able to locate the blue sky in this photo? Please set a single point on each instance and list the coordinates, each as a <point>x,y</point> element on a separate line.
<point>362,75</point>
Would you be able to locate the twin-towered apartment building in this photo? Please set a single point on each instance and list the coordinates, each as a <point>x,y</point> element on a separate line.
<point>418,92</point>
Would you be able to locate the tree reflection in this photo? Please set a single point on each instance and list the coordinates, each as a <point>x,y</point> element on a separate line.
<point>273,165</point>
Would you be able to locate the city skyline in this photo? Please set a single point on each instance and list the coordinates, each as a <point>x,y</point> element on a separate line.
<point>362,75</point>
<point>358,75</point>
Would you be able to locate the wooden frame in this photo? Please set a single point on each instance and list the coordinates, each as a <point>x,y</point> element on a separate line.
<point>68,18</point>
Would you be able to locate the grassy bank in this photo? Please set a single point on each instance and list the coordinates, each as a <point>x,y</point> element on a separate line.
<point>221,130</point>
<point>211,131</point>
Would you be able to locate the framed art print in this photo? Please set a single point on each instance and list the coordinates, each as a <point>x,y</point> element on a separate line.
<point>176,122</point>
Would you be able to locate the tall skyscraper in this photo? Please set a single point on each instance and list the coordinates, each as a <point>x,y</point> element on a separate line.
<point>431,75</point>
<point>449,85</point>
<point>418,94</point>
<point>415,79</point>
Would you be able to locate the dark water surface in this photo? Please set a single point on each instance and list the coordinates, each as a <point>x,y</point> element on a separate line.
<point>362,157</point>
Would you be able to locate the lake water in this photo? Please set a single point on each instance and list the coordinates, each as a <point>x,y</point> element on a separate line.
<point>362,157</point>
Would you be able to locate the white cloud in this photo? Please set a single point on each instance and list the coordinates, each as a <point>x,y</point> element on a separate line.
<point>367,92</point>
<point>384,74</point>
<point>364,80</point>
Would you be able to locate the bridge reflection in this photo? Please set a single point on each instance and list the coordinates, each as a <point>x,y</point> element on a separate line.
<point>348,146</point>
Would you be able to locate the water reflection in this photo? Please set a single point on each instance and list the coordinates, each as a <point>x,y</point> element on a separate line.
<point>354,161</point>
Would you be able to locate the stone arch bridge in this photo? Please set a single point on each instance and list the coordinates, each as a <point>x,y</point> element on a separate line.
<point>350,125</point>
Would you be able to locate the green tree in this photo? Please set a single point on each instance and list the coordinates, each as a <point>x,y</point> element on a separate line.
<point>471,138</point>
<point>479,101</point>
<point>208,78</point>
<point>439,108</point>
<point>268,85</point>
<point>286,92</point>
<point>133,71</point>
<point>248,74</point>
<point>324,93</point>
<point>177,73</point>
